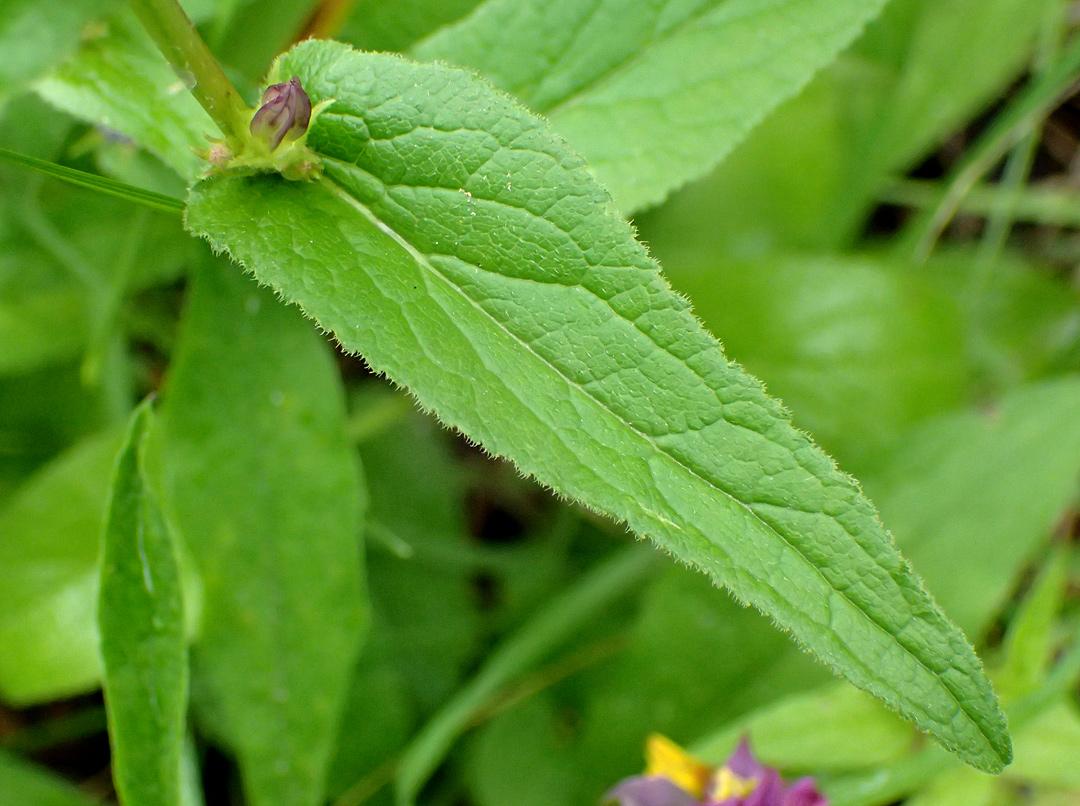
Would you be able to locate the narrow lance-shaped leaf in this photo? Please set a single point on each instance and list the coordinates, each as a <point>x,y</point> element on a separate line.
<point>458,245</point>
<point>264,488</point>
<point>653,93</point>
<point>141,619</point>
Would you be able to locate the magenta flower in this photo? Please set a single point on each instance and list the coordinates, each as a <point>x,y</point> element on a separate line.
<point>675,778</point>
<point>285,113</point>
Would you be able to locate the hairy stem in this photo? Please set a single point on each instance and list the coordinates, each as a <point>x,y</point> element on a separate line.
<point>196,66</point>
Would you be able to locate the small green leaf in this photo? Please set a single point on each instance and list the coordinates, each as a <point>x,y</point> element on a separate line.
<point>42,413</point>
<point>518,760</point>
<point>940,62</point>
<point>653,94</point>
<point>141,619</point>
<point>957,787</point>
<point>264,489</point>
<point>461,248</point>
<point>377,718</point>
<point>118,79</point>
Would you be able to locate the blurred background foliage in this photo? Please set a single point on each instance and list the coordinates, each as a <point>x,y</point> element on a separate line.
<point>946,379</point>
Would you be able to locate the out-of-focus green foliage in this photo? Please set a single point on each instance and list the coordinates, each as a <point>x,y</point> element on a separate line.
<point>52,531</point>
<point>806,178</point>
<point>33,36</point>
<point>22,783</point>
<point>652,94</point>
<point>378,25</point>
<point>118,78</point>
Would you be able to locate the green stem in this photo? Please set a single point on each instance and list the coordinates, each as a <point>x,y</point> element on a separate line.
<point>196,66</point>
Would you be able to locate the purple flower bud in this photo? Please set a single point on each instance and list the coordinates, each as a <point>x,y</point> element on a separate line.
<point>285,113</point>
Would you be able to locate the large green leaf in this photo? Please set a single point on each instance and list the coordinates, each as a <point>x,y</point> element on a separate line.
<point>264,488</point>
<point>141,619</point>
<point>51,531</point>
<point>120,80</point>
<point>653,93</point>
<point>466,252</point>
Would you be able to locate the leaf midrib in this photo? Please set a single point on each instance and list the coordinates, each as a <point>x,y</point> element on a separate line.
<point>422,260</point>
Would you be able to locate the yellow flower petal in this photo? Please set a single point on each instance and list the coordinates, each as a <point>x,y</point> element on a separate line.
<point>664,757</point>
